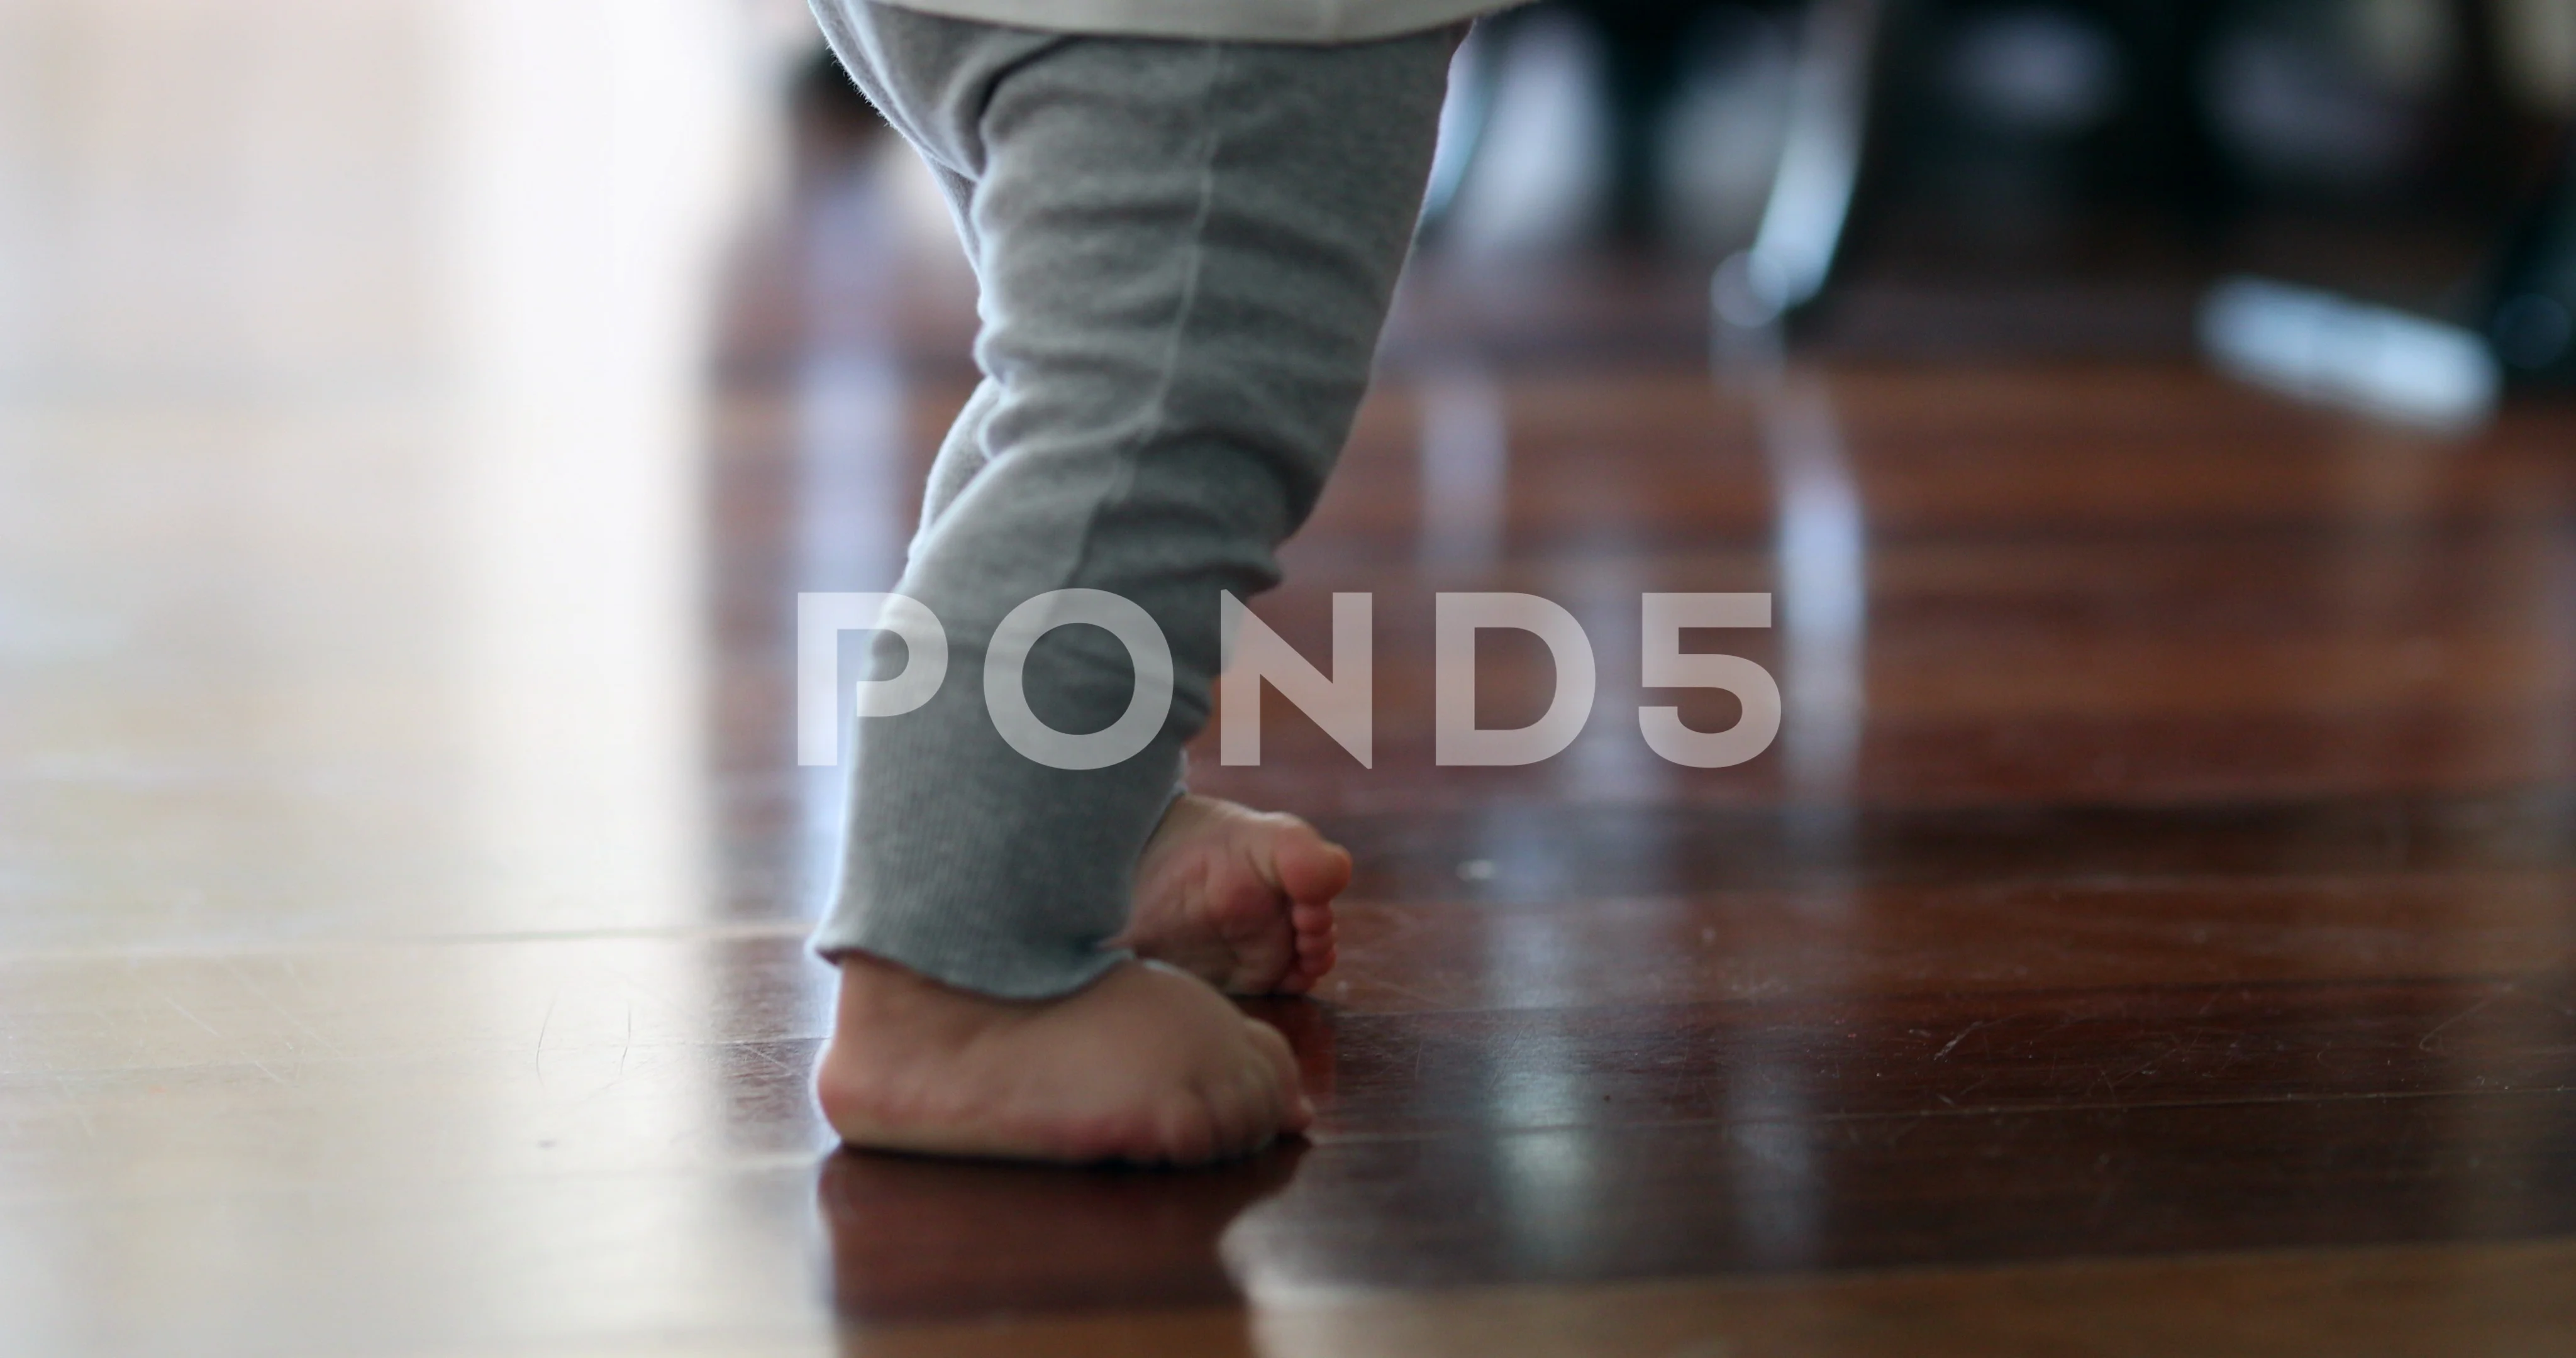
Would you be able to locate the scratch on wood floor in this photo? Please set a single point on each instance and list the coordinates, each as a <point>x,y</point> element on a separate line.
<point>1953,1043</point>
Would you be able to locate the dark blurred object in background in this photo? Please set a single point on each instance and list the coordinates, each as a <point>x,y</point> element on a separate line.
<point>2533,320</point>
<point>2005,111</point>
<point>2205,109</point>
<point>2369,146</point>
<point>2053,175</point>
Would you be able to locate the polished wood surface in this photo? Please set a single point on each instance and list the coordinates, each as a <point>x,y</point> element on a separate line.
<point>2488,1299</point>
<point>2154,932</point>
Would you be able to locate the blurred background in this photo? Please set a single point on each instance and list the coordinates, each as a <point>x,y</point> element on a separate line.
<point>418,416</point>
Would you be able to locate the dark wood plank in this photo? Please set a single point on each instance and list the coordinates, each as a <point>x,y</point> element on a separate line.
<point>1945,1054</point>
<point>2397,1302</point>
<point>1610,851</point>
<point>1803,1192</point>
<point>1793,1191</point>
<point>1961,939</point>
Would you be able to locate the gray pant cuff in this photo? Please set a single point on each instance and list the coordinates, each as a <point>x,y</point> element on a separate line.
<point>972,965</point>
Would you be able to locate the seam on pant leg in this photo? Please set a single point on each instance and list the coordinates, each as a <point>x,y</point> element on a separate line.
<point>1156,417</point>
<point>1152,419</point>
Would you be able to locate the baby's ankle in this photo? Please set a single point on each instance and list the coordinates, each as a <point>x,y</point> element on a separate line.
<point>878,996</point>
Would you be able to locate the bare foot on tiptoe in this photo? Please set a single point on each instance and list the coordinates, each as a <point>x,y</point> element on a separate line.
<point>1145,1065</point>
<point>1242,899</point>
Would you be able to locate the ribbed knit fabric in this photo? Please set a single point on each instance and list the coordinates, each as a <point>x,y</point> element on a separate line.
<point>1186,251</point>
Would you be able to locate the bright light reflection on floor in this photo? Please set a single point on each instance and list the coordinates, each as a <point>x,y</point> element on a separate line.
<point>353,359</point>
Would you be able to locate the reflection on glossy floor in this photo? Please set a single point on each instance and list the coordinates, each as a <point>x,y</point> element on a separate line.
<point>2153,932</point>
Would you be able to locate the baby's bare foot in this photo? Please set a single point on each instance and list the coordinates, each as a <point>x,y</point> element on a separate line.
<point>1240,898</point>
<point>1144,1065</point>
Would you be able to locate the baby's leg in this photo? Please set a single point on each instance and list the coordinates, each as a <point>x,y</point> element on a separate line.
<point>1186,251</point>
<point>1239,898</point>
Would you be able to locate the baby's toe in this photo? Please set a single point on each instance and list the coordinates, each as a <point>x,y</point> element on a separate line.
<point>1316,943</point>
<point>1312,870</point>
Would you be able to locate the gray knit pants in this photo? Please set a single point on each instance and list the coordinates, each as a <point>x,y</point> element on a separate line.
<point>1186,251</point>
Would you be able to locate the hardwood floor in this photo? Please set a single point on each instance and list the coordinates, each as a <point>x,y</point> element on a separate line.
<point>2154,931</point>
